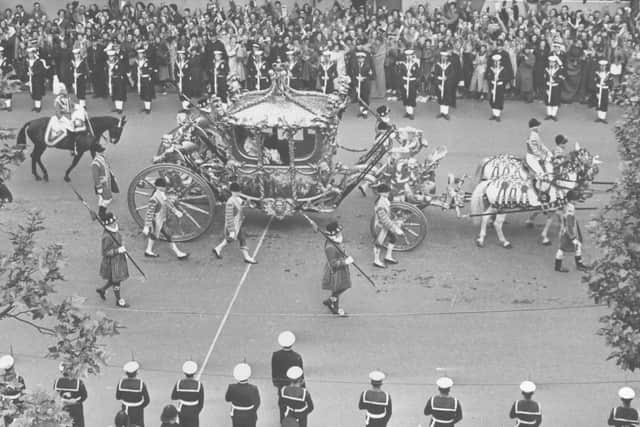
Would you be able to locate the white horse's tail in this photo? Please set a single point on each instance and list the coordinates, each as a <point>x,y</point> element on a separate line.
<point>477,204</point>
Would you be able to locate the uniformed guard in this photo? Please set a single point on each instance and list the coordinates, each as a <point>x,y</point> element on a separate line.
<point>624,415</point>
<point>220,73</point>
<point>409,73</point>
<point>73,394</point>
<point>445,83</point>
<point>553,76</point>
<point>526,411</point>
<point>495,75</point>
<point>386,230</point>
<point>113,268</point>
<point>117,80</point>
<point>257,72</point>
<point>104,181</point>
<point>295,400</point>
<point>179,72</point>
<point>132,394</point>
<point>328,73</point>
<point>336,277</point>
<point>36,73</point>
<point>362,75</point>
<point>244,398</point>
<point>445,410</point>
<point>284,359</point>
<point>144,75</point>
<point>376,402</point>
<point>6,70</point>
<point>158,208</point>
<point>570,239</point>
<point>233,224</point>
<point>11,384</point>
<point>603,86</point>
<point>80,71</point>
<point>295,66</point>
<point>189,392</point>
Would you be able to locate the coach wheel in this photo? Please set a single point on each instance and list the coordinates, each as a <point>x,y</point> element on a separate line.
<point>411,220</point>
<point>190,193</point>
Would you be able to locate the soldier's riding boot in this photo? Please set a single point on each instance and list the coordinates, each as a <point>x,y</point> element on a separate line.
<point>559,268</point>
<point>376,258</point>
<point>248,258</point>
<point>178,252</point>
<point>102,211</point>
<point>389,256</point>
<point>579,265</point>
<point>120,302</point>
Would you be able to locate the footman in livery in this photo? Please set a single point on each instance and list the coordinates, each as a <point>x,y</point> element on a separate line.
<point>387,230</point>
<point>336,277</point>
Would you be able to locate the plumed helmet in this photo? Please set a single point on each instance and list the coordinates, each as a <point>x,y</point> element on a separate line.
<point>62,104</point>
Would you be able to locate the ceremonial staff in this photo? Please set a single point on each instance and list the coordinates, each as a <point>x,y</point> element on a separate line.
<point>94,217</point>
<point>316,229</point>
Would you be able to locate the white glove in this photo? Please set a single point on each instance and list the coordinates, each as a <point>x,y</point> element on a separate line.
<point>179,214</point>
<point>122,250</point>
<point>576,242</point>
<point>400,232</point>
<point>145,230</point>
<point>348,260</point>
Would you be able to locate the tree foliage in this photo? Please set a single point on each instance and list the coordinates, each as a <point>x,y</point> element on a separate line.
<point>39,408</point>
<point>29,276</point>
<point>615,277</point>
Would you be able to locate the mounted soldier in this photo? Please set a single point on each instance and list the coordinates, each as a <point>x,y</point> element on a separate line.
<point>538,156</point>
<point>60,125</point>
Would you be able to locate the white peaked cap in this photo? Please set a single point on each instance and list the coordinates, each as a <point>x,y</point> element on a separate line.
<point>131,367</point>
<point>527,387</point>
<point>286,339</point>
<point>242,372</point>
<point>6,362</point>
<point>189,367</point>
<point>626,393</point>
<point>294,372</point>
<point>444,382</point>
<point>377,376</point>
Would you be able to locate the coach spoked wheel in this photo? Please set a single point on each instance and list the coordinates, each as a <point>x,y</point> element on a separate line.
<point>411,220</point>
<point>190,193</point>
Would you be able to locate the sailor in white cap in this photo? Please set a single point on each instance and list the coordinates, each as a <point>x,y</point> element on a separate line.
<point>495,75</point>
<point>189,392</point>
<point>328,73</point>
<point>118,76</point>
<point>132,394</point>
<point>526,411</point>
<point>409,72</point>
<point>219,77</point>
<point>604,81</point>
<point>294,65</point>
<point>244,398</point>
<point>11,384</point>
<point>37,73</point>
<point>257,72</point>
<point>444,409</point>
<point>6,70</point>
<point>80,70</point>
<point>295,400</point>
<point>376,402</point>
<point>284,359</point>
<point>180,74</point>
<point>446,83</point>
<point>624,415</point>
<point>361,76</point>
<point>553,77</point>
<point>72,392</point>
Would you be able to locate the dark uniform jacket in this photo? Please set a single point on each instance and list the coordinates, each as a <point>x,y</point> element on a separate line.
<point>526,412</point>
<point>281,361</point>
<point>79,71</point>
<point>193,80</point>
<point>36,75</point>
<point>552,80</point>
<point>72,388</point>
<point>295,401</point>
<point>117,75</point>
<point>377,403</point>
<point>495,76</point>
<point>219,83</point>
<point>326,75</point>
<point>133,394</point>
<point>603,82</point>
<point>445,411</point>
<point>145,73</point>
<point>623,417</point>
<point>245,401</point>
<point>258,75</point>
<point>295,74</point>
<point>114,265</point>
<point>361,76</point>
<point>189,393</point>
<point>445,82</point>
<point>409,76</point>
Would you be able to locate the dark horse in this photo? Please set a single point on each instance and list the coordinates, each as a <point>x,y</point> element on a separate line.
<point>36,128</point>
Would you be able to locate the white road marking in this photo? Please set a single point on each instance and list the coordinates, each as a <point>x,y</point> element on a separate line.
<point>233,300</point>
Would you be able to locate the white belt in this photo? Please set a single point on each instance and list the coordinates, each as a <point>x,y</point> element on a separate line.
<point>128,405</point>
<point>240,408</point>
<point>369,416</point>
<point>435,420</point>
<point>295,411</point>
<point>189,403</point>
<point>521,422</point>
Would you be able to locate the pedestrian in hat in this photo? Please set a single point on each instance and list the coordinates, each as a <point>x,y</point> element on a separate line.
<point>336,277</point>
<point>624,415</point>
<point>604,83</point>
<point>72,392</point>
<point>169,417</point>
<point>526,411</point>
<point>189,392</point>
<point>11,384</point>
<point>233,224</point>
<point>113,268</point>
<point>444,409</point>
<point>159,207</point>
<point>282,360</point>
<point>132,393</point>
<point>495,75</point>
<point>295,400</point>
<point>387,231</point>
<point>36,76</point>
<point>244,398</point>
<point>375,402</point>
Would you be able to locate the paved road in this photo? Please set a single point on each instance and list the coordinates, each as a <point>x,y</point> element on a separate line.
<point>487,317</point>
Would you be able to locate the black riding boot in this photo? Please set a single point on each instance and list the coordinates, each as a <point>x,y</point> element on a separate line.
<point>579,265</point>
<point>559,267</point>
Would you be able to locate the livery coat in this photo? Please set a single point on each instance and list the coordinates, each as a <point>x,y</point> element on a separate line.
<point>336,277</point>
<point>113,267</point>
